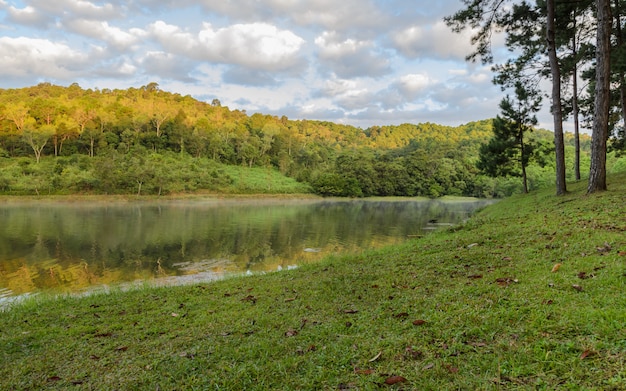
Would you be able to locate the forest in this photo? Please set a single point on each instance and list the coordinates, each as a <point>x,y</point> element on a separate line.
<point>146,141</point>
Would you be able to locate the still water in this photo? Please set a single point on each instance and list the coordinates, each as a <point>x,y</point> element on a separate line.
<point>74,247</point>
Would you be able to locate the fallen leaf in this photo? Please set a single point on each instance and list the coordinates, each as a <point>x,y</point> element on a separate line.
<point>577,287</point>
<point>556,267</point>
<point>506,281</point>
<point>475,276</point>
<point>249,298</point>
<point>287,300</point>
<point>401,315</point>
<point>452,369</point>
<point>364,371</point>
<point>419,322</point>
<point>429,366</point>
<point>350,311</point>
<point>472,245</point>
<point>604,249</point>
<point>54,378</point>
<point>94,357</point>
<point>376,357</point>
<point>291,333</point>
<point>586,354</point>
<point>174,314</point>
<point>415,354</point>
<point>394,380</point>
<point>122,348</point>
<point>584,275</point>
<point>622,253</point>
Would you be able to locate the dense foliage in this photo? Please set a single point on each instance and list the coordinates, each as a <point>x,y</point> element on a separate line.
<point>56,139</point>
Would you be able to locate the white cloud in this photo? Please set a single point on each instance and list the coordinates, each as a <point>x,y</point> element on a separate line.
<point>350,57</point>
<point>167,66</point>
<point>433,41</point>
<point>334,87</point>
<point>112,35</point>
<point>413,84</point>
<point>254,45</point>
<point>257,45</point>
<point>77,8</point>
<point>27,15</point>
<point>42,13</point>
<point>43,58</point>
<point>345,15</point>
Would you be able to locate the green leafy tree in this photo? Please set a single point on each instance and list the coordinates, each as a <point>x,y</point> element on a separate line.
<point>37,138</point>
<point>508,153</point>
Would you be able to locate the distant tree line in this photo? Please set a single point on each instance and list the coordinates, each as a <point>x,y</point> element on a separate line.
<point>56,139</point>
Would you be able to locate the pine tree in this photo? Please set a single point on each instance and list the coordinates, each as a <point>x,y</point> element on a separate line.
<point>508,153</point>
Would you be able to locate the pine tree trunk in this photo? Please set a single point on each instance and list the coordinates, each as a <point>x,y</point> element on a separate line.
<point>575,110</point>
<point>597,172</point>
<point>557,111</point>
<point>620,44</point>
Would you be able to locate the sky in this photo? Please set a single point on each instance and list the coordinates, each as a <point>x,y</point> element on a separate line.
<point>357,62</point>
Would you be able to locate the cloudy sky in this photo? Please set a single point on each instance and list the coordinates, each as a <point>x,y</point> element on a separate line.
<point>360,62</point>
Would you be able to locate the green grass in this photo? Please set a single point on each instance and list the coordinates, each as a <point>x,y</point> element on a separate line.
<point>494,315</point>
<point>257,180</point>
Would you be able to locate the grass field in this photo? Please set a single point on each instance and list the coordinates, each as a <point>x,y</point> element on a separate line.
<point>528,294</point>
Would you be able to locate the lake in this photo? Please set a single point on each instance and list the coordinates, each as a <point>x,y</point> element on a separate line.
<point>74,247</point>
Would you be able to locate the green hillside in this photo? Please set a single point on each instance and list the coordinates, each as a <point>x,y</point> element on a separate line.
<point>60,140</point>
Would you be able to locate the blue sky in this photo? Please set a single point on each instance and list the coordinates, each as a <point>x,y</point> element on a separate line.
<point>359,62</point>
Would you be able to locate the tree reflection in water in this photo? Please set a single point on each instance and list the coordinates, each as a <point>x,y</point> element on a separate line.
<point>71,247</point>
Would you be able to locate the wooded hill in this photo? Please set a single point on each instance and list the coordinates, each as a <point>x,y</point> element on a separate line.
<point>59,140</point>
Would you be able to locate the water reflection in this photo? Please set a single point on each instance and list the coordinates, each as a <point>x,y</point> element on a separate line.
<point>70,247</point>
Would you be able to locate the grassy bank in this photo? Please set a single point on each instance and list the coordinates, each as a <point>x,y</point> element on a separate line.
<point>482,306</point>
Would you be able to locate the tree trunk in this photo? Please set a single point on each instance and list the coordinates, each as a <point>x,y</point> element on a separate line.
<point>520,139</point>
<point>575,105</point>
<point>597,172</point>
<point>557,111</point>
<point>620,44</point>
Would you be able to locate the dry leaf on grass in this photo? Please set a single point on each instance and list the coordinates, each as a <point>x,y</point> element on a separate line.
<point>394,380</point>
